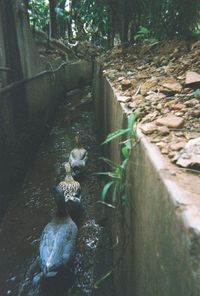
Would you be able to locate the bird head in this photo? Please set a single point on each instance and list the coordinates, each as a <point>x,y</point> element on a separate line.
<point>59,199</point>
<point>76,171</point>
<point>78,140</point>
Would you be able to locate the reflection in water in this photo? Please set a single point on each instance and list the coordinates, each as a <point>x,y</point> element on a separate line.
<point>32,209</point>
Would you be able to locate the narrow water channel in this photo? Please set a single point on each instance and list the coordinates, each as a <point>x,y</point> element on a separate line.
<point>33,208</point>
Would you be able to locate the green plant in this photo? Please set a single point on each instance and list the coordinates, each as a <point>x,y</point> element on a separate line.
<point>93,15</point>
<point>117,174</point>
<point>142,33</point>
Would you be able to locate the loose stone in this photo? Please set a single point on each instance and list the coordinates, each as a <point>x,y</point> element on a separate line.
<point>177,146</point>
<point>126,84</point>
<point>189,156</point>
<point>170,121</point>
<point>124,99</point>
<point>163,130</point>
<point>170,85</point>
<point>178,106</point>
<point>148,128</point>
<point>192,78</point>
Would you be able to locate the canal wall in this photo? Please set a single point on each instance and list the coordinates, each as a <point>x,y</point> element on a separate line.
<point>26,109</point>
<point>157,237</point>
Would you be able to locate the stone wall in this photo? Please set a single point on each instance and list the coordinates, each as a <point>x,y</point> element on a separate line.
<point>162,257</point>
<point>26,108</point>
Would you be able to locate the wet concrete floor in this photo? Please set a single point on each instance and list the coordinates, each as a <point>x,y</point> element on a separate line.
<point>33,208</point>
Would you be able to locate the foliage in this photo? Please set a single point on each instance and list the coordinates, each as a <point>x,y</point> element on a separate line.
<point>117,182</point>
<point>197,28</point>
<point>93,15</point>
<point>38,14</point>
<point>117,174</point>
<point>142,33</point>
<point>132,20</point>
<point>61,13</point>
<point>173,18</point>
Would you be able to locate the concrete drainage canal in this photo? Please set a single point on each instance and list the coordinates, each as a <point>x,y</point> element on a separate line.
<point>34,206</point>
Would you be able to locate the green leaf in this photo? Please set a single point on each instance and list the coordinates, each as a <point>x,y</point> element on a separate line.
<point>114,195</point>
<point>115,134</point>
<point>103,173</point>
<point>62,13</point>
<point>105,189</point>
<point>59,11</point>
<point>124,163</point>
<point>115,175</point>
<point>143,30</point>
<point>129,144</point>
<point>125,151</point>
<point>124,199</point>
<point>131,120</point>
<point>106,204</point>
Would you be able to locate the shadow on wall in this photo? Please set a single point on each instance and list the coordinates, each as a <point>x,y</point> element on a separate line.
<point>18,142</point>
<point>26,108</point>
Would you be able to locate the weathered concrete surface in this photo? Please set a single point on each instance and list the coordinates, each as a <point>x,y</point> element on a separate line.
<point>26,109</point>
<point>163,217</point>
<point>2,51</point>
<point>18,51</point>
<point>28,51</point>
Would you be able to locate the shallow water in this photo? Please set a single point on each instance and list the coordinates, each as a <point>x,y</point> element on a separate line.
<point>33,207</point>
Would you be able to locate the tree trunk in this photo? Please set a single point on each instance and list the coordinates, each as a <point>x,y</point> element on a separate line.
<point>53,30</point>
<point>26,5</point>
<point>111,28</point>
<point>62,23</point>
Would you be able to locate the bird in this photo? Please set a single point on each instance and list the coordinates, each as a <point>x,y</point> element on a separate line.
<point>70,187</point>
<point>78,158</point>
<point>58,239</point>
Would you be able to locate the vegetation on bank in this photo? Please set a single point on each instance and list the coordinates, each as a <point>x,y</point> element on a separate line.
<point>117,174</point>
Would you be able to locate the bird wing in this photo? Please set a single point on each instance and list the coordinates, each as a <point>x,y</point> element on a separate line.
<point>70,243</point>
<point>57,246</point>
<point>46,244</point>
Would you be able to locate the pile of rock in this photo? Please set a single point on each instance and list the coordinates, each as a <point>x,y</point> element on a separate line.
<point>161,84</point>
<point>87,50</point>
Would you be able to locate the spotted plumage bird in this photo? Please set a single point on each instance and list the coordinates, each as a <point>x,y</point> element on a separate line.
<point>78,158</point>
<point>70,187</point>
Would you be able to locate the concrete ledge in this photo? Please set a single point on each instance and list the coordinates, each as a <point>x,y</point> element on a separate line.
<point>26,108</point>
<point>163,217</point>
